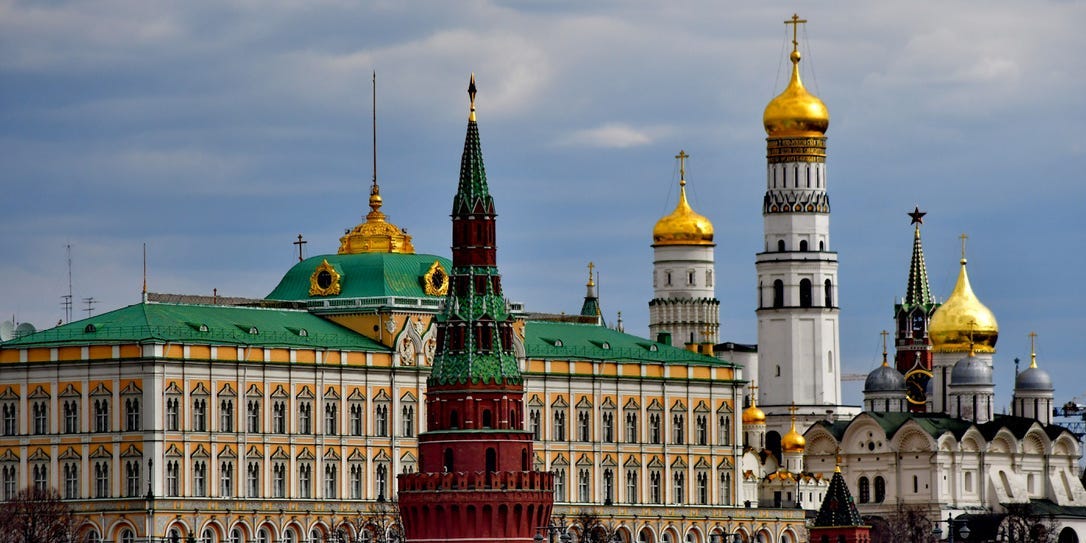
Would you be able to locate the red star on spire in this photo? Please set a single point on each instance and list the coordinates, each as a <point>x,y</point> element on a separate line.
<point>917,215</point>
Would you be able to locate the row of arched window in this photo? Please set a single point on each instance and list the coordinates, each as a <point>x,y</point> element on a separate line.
<point>806,298</point>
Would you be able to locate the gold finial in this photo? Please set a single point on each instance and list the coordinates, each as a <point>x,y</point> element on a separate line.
<point>753,394</point>
<point>1032,350</point>
<point>795,21</point>
<point>793,409</point>
<point>837,460</point>
<point>884,334</point>
<point>963,237</point>
<point>591,267</point>
<point>471,95</point>
<point>682,156</point>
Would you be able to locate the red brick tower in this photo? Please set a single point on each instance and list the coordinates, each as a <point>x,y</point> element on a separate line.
<point>913,357</point>
<point>475,481</point>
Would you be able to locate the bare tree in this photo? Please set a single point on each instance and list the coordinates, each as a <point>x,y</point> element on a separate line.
<point>36,516</point>
<point>906,524</point>
<point>593,529</point>
<point>378,523</point>
<point>1024,523</point>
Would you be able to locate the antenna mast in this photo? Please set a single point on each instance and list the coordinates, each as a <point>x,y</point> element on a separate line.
<point>66,302</point>
<point>374,128</point>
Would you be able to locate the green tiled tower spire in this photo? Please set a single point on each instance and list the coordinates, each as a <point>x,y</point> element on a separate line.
<point>475,331</point>
<point>918,291</point>
<point>913,356</point>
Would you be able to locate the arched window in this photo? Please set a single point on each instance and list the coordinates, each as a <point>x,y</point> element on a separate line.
<point>803,245</point>
<point>454,419</point>
<point>491,460</point>
<point>778,293</point>
<point>829,293</point>
<point>805,293</point>
<point>780,245</point>
<point>865,490</point>
<point>822,246</point>
<point>448,460</point>
<point>880,489</point>
<point>487,419</point>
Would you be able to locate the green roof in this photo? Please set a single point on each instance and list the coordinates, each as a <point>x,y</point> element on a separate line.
<point>206,324</point>
<point>362,276</point>
<point>937,424</point>
<point>545,339</point>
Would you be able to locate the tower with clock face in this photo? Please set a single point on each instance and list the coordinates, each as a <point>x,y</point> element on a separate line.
<point>911,316</point>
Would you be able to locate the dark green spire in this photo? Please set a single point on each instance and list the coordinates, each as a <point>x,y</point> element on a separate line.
<point>918,290</point>
<point>475,332</point>
<point>838,508</point>
<point>591,305</point>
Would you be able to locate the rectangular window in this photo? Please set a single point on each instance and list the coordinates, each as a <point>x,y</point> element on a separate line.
<point>330,486</point>
<point>199,479</point>
<point>172,405</point>
<point>173,471</point>
<point>132,414</point>
<point>305,417</point>
<point>226,479</point>
<point>253,416</point>
<point>305,473</point>
<point>11,425</point>
<point>380,420</point>
<point>357,424</point>
<point>199,415</point>
<point>226,416</point>
<point>631,427</point>
<point>409,420</point>
<point>253,479</point>
<point>330,418</point>
<point>101,415</point>
<point>71,417</point>
<point>279,481</point>
<point>356,481</point>
<point>71,480</point>
<point>41,417</point>
<point>608,427</point>
<point>279,417</point>
<point>703,430</point>
<point>101,479</point>
<point>132,478</point>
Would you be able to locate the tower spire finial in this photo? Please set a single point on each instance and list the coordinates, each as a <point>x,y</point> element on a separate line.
<point>374,111</point>
<point>884,333</point>
<point>591,266</point>
<point>1032,350</point>
<point>963,237</point>
<point>795,21</point>
<point>471,95</point>
<point>682,156</point>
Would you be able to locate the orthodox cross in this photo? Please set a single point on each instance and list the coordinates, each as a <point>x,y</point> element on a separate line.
<point>753,393</point>
<point>793,409</point>
<point>972,326</point>
<point>795,22</point>
<point>884,334</point>
<point>1032,350</point>
<point>963,237</point>
<point>917,215</point>
<point>299,243</point>
<point>591,267</point>
<point>682,156</point>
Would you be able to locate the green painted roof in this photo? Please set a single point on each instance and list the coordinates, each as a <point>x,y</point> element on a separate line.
<point>937,424</point>
<point>593,342</point>
<point>224,325</point>
<point>362,276</point>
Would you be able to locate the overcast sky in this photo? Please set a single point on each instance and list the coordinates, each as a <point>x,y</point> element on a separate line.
<point>216,132</point>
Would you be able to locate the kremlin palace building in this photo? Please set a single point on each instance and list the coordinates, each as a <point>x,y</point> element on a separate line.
<point>297,417</point>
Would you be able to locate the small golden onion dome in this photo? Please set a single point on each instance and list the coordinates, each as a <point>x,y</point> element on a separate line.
<point>684,226</point>
<point>753,415</point>
<point>793,442</point>
<point>963,321</point>
<point>376,235</point>
<point>796,112</point>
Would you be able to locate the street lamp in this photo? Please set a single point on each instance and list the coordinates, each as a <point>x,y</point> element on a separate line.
<point>961,524</point>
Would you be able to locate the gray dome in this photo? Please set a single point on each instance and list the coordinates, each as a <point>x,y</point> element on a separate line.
<point>971,371</point>
<point>884,379</point>
<point>1033,378</point>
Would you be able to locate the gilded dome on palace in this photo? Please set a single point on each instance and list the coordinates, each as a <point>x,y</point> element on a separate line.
<point>796,112</point>
<point>962,320</point>
<point>376,235</point>
<point>684,226</point>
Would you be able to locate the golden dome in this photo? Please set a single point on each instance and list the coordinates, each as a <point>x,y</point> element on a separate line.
<point>796,112</point>
<point>376,235</point>
<point>793,442</point>
<point>963,321</point>
<point>684,226</point>
<point>753,415</point>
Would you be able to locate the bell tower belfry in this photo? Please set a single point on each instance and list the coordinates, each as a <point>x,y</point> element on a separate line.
<point>798,336</point>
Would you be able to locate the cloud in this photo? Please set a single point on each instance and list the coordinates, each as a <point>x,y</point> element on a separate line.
<point>610,135</point>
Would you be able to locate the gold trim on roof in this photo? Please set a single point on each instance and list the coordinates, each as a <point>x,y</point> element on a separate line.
<point>376,235</point>
<point>436,280</point>
<point>324,281</point>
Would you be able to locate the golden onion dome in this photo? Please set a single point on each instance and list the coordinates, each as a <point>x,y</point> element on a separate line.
<point>684,226</point>
<point>793,442</point>
<point>376,235</point>
<point>753,415</point>
<point>796,112</point>
<point>963,321</point>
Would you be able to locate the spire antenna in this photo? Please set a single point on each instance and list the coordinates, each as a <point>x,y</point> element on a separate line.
<point>471,96</point>
<point>144,292</point>
<point>374,190</point>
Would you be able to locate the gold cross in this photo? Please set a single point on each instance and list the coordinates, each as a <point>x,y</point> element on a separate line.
<point>884,334</point>
<point>1032,350</point>
<point>795,22</point>
<point>963,238</point>
<point>299,243</point>
<point>793,409</point>
<point>591,267</point>
<point>682,156</point>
